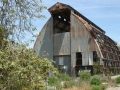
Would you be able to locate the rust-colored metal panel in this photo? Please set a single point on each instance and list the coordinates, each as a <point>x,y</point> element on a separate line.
<point>44,43</point>
<point>81,41</point>
<point>62,43</point>
<point>80,36</point>
<point>92,44</point>
<point>78,39</point>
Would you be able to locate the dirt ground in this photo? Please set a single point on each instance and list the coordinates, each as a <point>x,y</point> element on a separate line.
<point>113,88</point>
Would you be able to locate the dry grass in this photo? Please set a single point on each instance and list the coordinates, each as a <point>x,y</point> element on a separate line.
<point>84,85</point>
<point>78,88</point>
<point>107,79</point>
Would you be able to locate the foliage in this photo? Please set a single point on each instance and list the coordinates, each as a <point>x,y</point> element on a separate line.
<point>53,81</point>
<point>68,81</point>
<point>61,80</point>
<point>117,80</point>
<point>97,68</point>
<point>84,75</point>
<point>17,16</point>
<point>95,81</point>
<point>103,87</point>
<point>69,84</point>
<point>22,69</point>
<point>3,37</point>
<point>64,77</point>
<point>95,87</point>
<point>84,85</point>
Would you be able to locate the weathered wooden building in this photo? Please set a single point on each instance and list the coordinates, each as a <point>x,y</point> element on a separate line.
<point>73,41</point>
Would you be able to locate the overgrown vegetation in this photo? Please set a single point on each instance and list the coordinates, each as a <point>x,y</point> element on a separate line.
<point>103,87</point>
<point>61,81</point>
<point>3,37</point>
<point>21,68</point>
<point>97,68</point>
<point>95,87</point>
<point>117,80</point>
<point>64,77</point>
<point>84,75</point>
<point>95,81</point>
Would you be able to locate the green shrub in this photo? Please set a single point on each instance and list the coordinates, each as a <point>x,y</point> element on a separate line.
<point>97,69</point>
<point>95,87</point>
<point>68,81</point>
<point>53,81</point>
<point>103,87</point>
<point>22,69</point>
<point>117,80</point>
<point>85,75</point>
<point>95,81</point>
<point>69,84</point>
<point>64,77</point>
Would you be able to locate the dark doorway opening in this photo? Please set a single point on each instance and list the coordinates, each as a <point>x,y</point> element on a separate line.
<point>95,57</point>
<point>78,62</point>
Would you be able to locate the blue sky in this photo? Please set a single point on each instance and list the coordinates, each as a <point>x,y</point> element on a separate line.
<point>105,14</point>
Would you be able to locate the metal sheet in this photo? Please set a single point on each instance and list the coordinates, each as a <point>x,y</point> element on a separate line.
<point>64,61</point>
<point>85,58</point>
<point>90,58</point>
<point>81,41</point>
<point>73,60</point>
<point>80,36</point>
<point>92,45</point>
<point>62,43</point>
<point>44,43</point>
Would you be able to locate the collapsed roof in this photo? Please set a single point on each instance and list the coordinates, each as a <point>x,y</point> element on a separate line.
<point>65,10</point>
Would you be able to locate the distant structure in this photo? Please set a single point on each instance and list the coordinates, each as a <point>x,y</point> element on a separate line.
<point>75,43</point>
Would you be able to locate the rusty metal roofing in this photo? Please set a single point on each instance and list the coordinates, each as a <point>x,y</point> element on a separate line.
<point>60,6</point>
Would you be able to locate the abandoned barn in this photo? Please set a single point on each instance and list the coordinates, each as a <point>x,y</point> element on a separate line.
<point>74,42</point>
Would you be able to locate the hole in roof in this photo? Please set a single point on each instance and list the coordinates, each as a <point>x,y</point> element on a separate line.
<point>64,19</point>
<point>98,35</point>
<point>59,16</point>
